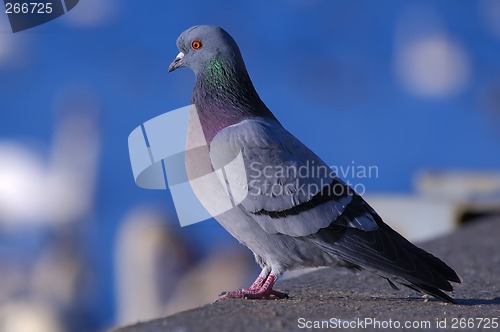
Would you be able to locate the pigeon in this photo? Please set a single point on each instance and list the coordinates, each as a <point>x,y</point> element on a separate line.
<point>297,213</point>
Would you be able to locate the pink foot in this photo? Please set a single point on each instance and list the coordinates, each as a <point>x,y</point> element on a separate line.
<point>260,289</point>
<point>257,284</point>
<point>265,295</point>
<point>246,293</point>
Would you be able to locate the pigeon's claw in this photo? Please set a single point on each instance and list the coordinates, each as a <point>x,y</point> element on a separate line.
<point>260,289</point>
<point>246,293</point>
<point>265,295</point>
<point>279,295</point>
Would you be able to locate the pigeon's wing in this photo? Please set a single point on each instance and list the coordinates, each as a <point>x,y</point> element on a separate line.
<point>388,254</point>
<point>289,189</point>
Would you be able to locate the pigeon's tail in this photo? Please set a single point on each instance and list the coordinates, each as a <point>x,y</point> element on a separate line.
<point>388,254</point>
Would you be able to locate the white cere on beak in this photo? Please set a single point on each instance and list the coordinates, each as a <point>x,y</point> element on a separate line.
<point>179,56</point>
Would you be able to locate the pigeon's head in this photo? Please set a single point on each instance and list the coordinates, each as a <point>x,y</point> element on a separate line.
<point>205,45</point>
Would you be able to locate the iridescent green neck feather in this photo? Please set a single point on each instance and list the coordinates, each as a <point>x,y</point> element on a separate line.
<point>224,95</point>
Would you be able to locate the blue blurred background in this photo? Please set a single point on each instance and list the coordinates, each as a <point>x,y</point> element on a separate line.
<point>404,86</point>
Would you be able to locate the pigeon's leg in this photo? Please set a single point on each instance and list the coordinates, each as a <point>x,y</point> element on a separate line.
<point>255,287</point>
<point>261,288</point>
<point>261,279</point>
<point>266,290</point>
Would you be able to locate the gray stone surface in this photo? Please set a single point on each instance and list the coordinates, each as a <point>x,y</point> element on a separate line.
<point>329,294</point>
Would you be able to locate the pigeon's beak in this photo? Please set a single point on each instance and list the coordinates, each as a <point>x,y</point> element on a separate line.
<point>176,63</point>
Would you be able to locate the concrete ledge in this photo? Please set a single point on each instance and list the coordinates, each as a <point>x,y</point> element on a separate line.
<point>473,251</point>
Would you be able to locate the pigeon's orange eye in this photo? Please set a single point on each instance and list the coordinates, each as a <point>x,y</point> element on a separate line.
<point>196,44</point>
